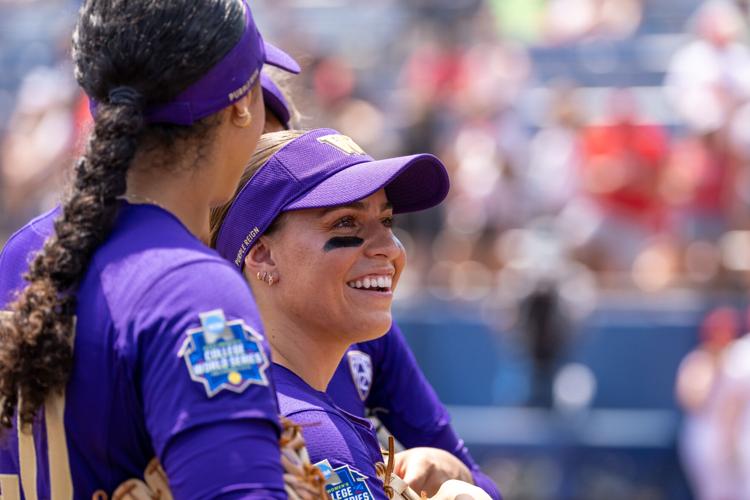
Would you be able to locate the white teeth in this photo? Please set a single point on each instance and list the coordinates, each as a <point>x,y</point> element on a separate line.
<point>374,282</point>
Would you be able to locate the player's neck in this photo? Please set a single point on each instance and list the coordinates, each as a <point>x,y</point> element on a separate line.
<point>312,357</point>
<point>183,190</point>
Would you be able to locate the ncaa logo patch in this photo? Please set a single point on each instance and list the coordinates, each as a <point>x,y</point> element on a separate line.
<point>224,354</point>
<point>343,483</point>
<point>360,366</point>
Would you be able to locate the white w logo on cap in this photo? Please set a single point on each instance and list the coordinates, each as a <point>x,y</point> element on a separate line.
<point>343,143</point>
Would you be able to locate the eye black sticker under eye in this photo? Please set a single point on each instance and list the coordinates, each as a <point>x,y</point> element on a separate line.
<point>342,242</point>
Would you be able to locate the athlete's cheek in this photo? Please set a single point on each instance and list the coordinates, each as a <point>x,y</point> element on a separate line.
<point>342,242</point>
<point>399,244</point>
<point>399,262</point>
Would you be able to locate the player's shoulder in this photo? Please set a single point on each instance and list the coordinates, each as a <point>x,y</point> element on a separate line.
<point>151,263</point>
<point>19,249</point>
<point>30,237</point>
<point>300,402</point>
<point>297,398</point>
<point>149,244</point>
<point>328,433</point>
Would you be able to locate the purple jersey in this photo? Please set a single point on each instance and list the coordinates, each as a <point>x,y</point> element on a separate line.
<point>372,375</point>
<point>342,445</point>
<point>167,363</point>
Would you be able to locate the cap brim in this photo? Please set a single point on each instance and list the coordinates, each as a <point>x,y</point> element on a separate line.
<point>411,183</point>
<point>277,57</point>
<point>274,100</point>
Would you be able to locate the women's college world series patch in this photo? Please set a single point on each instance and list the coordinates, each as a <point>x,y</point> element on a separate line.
<point>224,354</point>
<point>343,483</point>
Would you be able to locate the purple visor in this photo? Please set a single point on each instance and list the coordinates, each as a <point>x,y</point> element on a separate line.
<point>274,100</point>
<point>323,168</point>
<point>224,84</point>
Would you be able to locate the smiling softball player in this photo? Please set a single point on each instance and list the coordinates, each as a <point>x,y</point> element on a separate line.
<point>371,374</point>
<point>310,228</point>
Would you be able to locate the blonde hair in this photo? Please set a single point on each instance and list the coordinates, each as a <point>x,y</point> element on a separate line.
<point>268,146</point>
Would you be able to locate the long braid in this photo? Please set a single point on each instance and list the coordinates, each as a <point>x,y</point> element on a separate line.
<point>39,338</point>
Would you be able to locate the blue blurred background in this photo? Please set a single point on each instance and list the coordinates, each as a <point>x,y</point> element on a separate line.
<point>596,241</point>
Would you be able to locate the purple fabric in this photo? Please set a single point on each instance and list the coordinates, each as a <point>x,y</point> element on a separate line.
<point>226,83</point>
<point>130,396</point>
<point>277,57</point>
<point>330,433</point>
<point>411,412</point>
<point>18,252</point>
<point>311,172</point>
<point>274,100</point>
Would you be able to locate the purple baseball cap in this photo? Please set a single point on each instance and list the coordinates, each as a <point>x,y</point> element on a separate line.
<point>224,84</point>
<point>274,100</point>
<point>324,168</point>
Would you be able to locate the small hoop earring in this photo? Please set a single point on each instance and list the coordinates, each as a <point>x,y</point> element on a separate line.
<point>262,276</point>
<point>245,117</point>
<point>271,280</point>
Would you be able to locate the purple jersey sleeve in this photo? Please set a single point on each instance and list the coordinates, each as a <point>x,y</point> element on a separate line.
<point>215,431</point>
<point>18,251</point>
<point>412,411</point>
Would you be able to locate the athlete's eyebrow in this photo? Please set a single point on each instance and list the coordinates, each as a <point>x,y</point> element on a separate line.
<point>357,205</point>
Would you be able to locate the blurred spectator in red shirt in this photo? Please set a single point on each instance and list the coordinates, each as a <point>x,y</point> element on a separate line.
<point>622,162</point>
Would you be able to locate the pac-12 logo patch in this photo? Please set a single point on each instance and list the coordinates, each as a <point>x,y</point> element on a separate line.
<point>224,354</point>
<point>360,366</point>
<point>343,483</point>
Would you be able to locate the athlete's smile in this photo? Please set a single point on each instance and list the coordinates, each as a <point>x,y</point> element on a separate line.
<point>373,282</point>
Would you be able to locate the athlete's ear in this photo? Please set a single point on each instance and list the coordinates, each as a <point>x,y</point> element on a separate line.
<point>259,260</point>
<point>240,110</point>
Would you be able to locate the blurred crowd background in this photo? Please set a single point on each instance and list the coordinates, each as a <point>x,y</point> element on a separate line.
<point>580,299</point>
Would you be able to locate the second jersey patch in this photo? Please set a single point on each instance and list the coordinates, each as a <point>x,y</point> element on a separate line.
<point>360,366</point>
<point>344,483</point>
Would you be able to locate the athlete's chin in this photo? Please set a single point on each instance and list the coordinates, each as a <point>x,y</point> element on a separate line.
<point>371,325</point>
